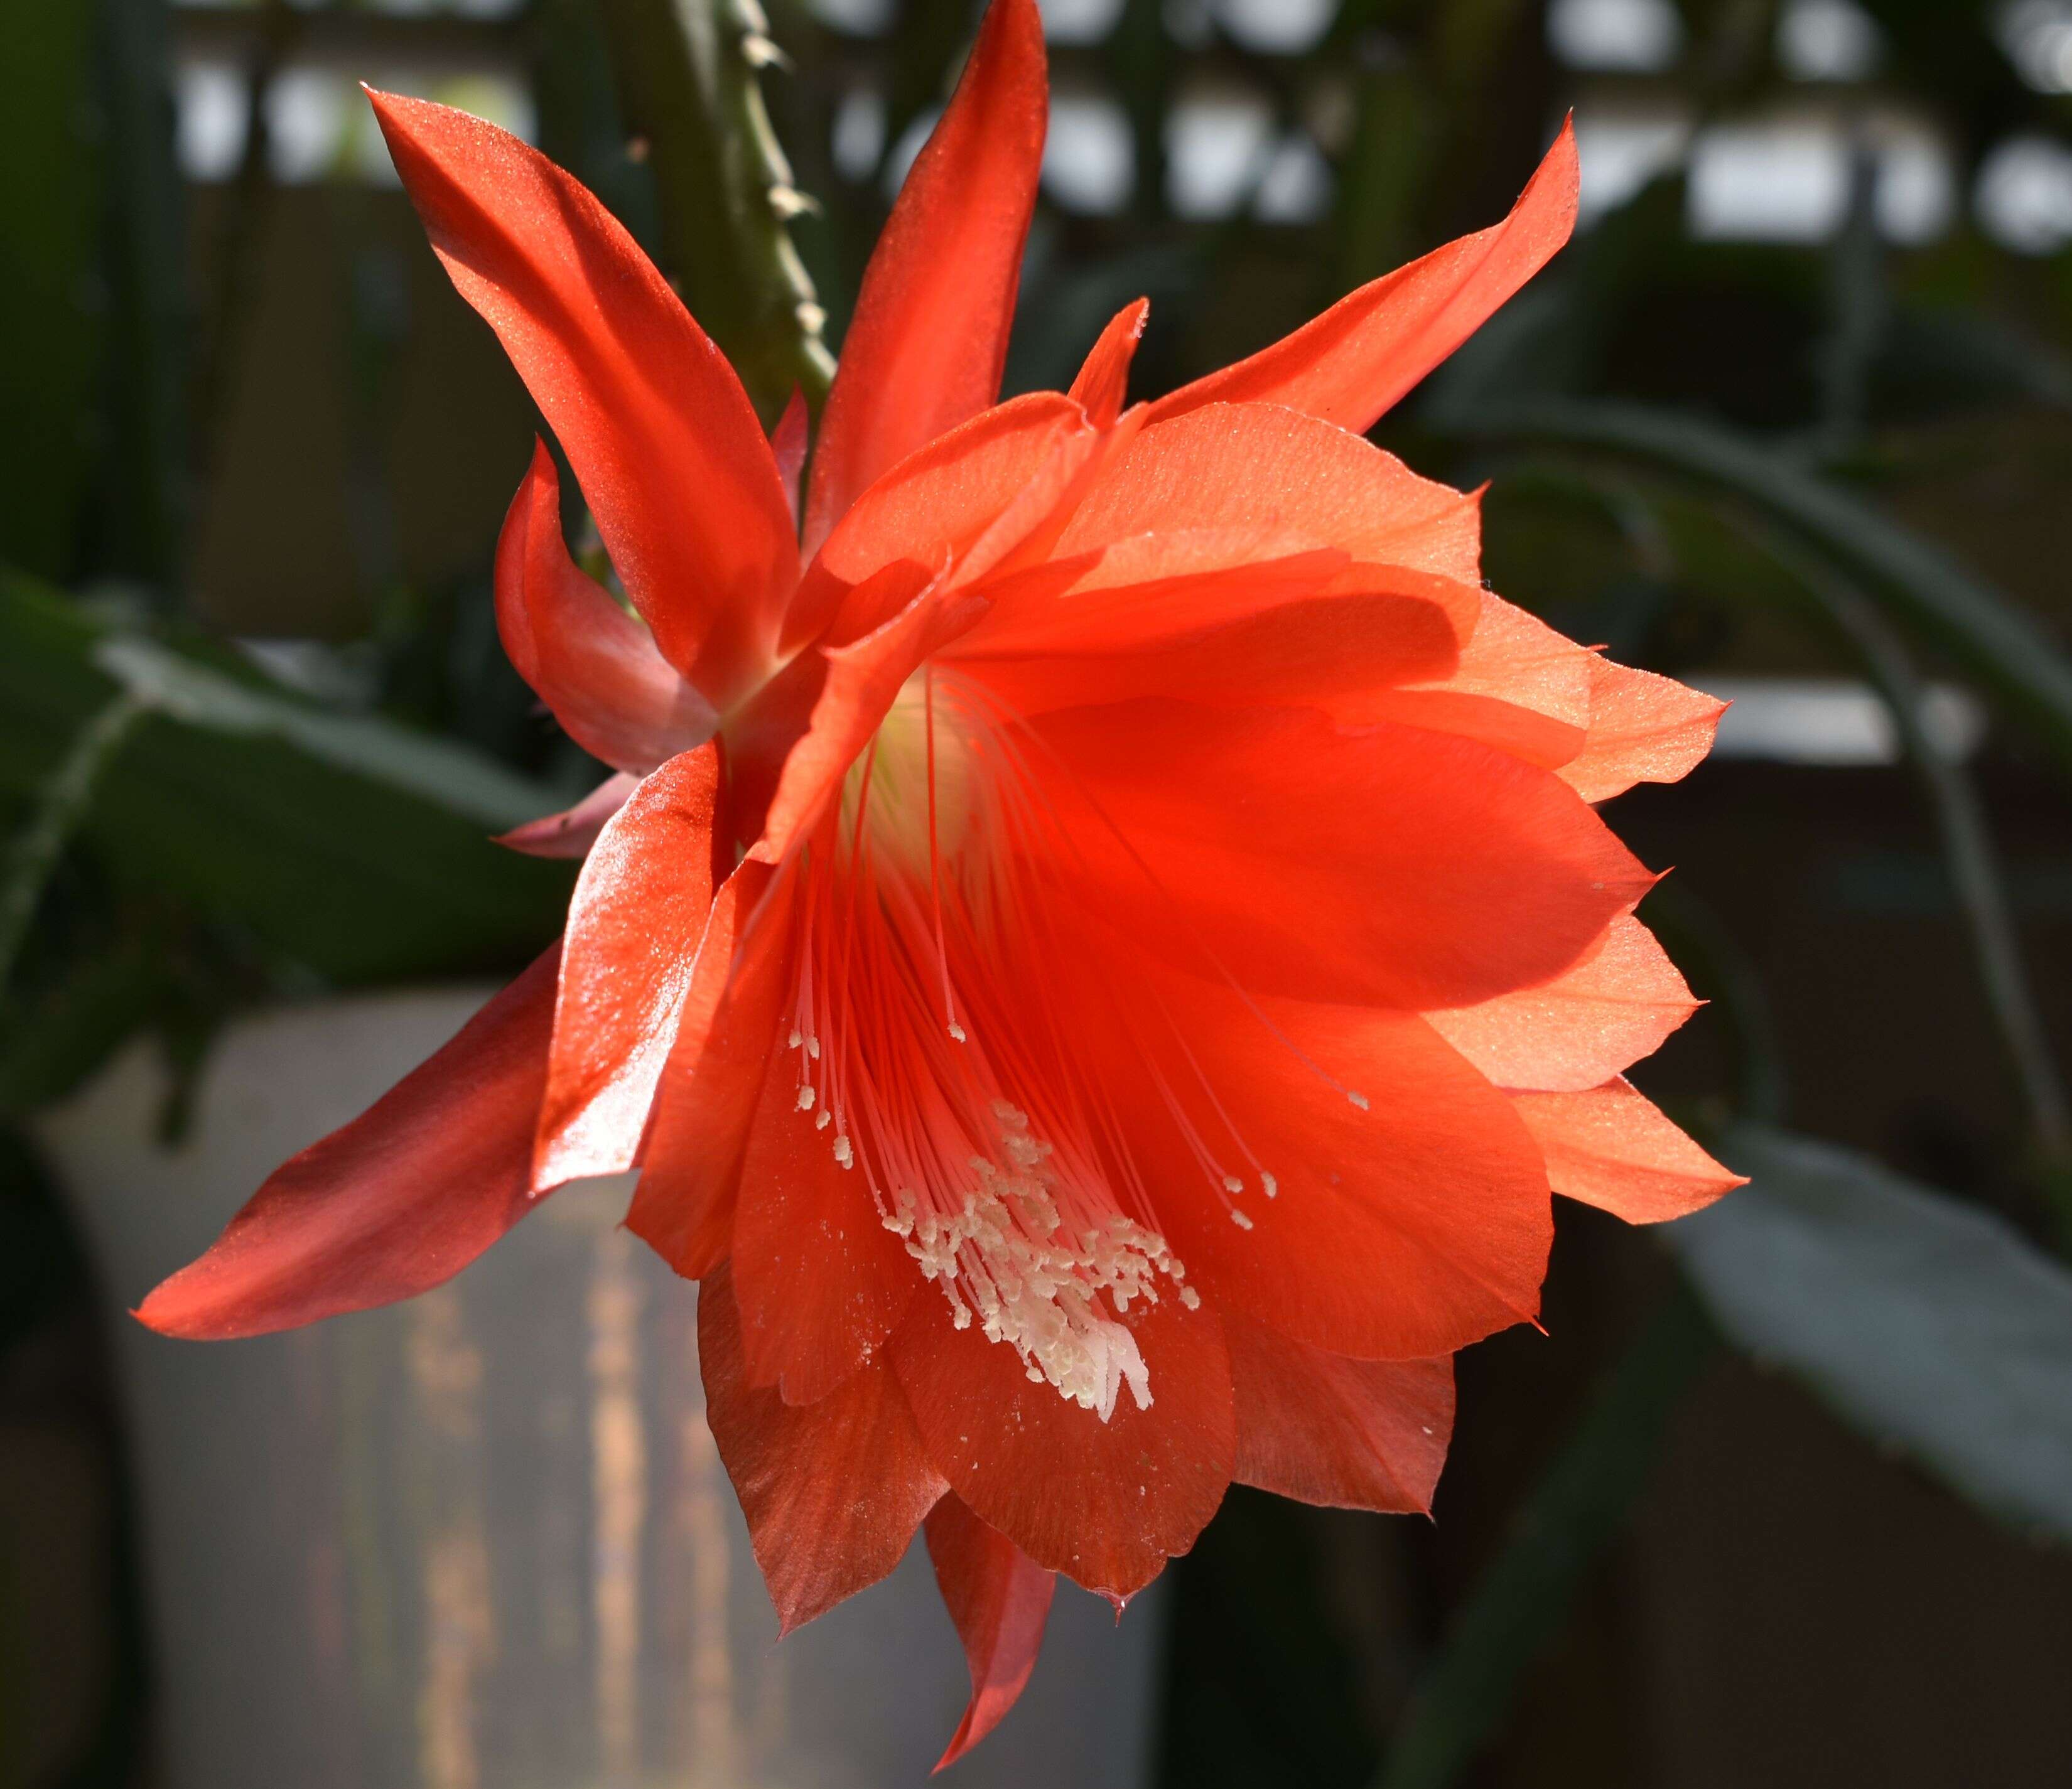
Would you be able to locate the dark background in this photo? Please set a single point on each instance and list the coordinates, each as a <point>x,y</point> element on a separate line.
<point>244,403</point>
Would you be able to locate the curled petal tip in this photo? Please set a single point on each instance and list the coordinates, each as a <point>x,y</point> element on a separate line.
<point>1000,1601</point>
<point>1354,362</point>
<point>961,1741</point>
<point>1103,381</point>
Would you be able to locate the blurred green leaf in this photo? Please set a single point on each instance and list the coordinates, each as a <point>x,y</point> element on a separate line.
<point>53,1041</point>
<point>346,843</point>
<point>61,806</point>
<point>1523,1597</point>
<point>473,787</point>
<point>1983,632</point>
<point>1931,1326</point>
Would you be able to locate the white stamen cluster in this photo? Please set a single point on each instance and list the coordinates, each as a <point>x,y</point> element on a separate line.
<point>926,909</point>
<point>1008,1258</point>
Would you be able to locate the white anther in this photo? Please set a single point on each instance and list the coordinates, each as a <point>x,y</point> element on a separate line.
<point>1055,1289</point>
<point>844,1154</point>
<point>805,1099</point>
<point>1232,1183</point>
<point>1358,1099</point>
<point>1193,1300</point>
<point>794,1040</point>
<point>1269,1186</point>
<point>824,1119</point>
<point>957,1032</point>
<point>1241,1221</point>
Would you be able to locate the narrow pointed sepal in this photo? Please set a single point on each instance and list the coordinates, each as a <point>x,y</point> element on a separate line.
<point>1103,381</point>
<point>928,341</point>
<point>392,1204</point>
<point>1000,1600</point>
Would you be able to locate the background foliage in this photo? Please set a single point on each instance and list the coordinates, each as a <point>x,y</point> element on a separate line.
<point>1724,456</point>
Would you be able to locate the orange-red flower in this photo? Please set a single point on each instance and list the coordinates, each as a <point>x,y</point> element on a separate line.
<point>1100,945</point>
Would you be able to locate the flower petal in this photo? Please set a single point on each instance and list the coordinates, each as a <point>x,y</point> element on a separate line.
<point>820,1282</point>
<point>861,681</point>
<point>1103,381</point>
<point>1408,1215</point>
<point>1513,656</point>
<point>928,340</point>
<point>1643,728</point>
<point>1138,592</point>
<point>396,1202</point>
<point>1108,1502</point>
<point>1611,1147</point>
<point>1385,865</point>
<point>698,1129</point>
<point>1518,686</point>
<point>662,437</point>
<point>1352,363</point>
<point>574,830</point>
<point>999,1601</point>
<point>591,664</point>
<point>1310,651</point>
<point>634,921</point>
<point>937,508</point>
<point>788,441</point>
<point>1237,465</point>
<point>1351,1434</point>
<point>1608,1010</point>
<point>832,1491</point>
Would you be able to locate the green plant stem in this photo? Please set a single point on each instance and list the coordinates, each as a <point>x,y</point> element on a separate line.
<point>1967,843</point>
<point>1858,304</point>
<point>247,204</point>
<point>1521,1599</point>
<point>61,807</point>
<point>686,72</point>
<point>147,523</point>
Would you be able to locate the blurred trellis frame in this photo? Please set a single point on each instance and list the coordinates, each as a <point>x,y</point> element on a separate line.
<point>1294,146</point>
<point>1816,321</point>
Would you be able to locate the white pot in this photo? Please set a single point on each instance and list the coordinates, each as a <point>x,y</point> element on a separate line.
<point>483,1541</point>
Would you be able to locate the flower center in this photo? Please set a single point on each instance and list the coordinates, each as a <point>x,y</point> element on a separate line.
<point>932,1052</point>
